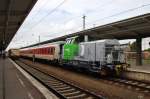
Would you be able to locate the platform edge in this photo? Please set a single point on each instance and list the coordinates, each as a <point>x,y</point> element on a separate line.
<point>47,94</point>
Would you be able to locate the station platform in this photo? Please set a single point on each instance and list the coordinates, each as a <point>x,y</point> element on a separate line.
<point>14,85</point>
<point>143,68</point>
<point>140,73</point>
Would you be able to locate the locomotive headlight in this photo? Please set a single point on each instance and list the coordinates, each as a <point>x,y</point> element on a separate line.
<point>109,58</point>
<point>118,66</point>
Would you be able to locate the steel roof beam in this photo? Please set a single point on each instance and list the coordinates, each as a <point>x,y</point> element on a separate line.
<point>130,30</point>
<point>10,23</point>
<point>12,16</point>
<point>27,10</point>
<point>8,8</point>
<point>13,13</point>
<point>9,29</point>
<point>147,20</point>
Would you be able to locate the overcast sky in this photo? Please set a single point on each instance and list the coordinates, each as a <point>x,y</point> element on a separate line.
<point>53,18</point>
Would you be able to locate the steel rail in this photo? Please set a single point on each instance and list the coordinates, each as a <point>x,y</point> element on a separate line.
<point>134,84</point>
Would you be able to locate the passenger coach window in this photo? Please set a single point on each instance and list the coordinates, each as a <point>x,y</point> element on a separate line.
<point>49,50</point>
<point>53,50</point>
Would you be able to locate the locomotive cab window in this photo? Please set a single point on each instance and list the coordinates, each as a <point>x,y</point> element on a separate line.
<point>73,40</point>
<point>69,41</point>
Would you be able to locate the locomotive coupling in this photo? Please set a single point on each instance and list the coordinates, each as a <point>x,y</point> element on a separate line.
<point>121,67</point>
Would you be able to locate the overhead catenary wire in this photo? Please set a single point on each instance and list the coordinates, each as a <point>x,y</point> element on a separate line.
<point>65,22</point>
<point>39,10</point>
<point>49,13</point>
<point>113,15</point>
<point>117,14</point>
<point>37,23</point>
<point>126,11</point>
<point>79,16</point>
<point>123,12</point>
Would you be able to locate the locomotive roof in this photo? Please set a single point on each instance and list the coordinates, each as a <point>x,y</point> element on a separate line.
<point>72,37</point>
<point>107,41</point>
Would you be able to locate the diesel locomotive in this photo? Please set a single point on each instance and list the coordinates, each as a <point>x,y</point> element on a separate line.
<point>105,57</point>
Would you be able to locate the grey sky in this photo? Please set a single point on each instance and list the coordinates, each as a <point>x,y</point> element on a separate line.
<point>49,20</point>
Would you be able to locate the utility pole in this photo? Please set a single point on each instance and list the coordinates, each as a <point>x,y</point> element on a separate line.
<point>39,39</point>
<point>85,36</point>
<point>93,25</point>
<point>84,22</point>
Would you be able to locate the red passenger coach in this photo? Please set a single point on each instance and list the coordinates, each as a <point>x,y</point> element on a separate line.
<point>47,51</point>
<point>44,51</point>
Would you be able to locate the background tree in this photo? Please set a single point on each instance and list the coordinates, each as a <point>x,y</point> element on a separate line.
<point>133,46</point>
<point>147,49</point>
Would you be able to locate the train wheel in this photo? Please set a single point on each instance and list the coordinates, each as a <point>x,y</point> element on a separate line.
<point>103,72</point>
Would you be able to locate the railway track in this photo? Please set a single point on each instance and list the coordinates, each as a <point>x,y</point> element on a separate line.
<point>59,87</point>
<point>132,84</point>
<point>138,86</point>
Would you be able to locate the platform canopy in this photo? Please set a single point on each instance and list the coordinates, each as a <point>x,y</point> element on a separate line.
<point>125,29</point>
<point>131,28</point>
<point>12,15</point>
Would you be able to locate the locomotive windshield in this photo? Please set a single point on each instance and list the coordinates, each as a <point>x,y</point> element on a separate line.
<point>68,41</point>
<point>71,40</point>
<point>113,54</point>
<point>75,39</point>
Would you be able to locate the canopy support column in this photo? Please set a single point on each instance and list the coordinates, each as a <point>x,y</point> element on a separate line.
<point>139,51</point>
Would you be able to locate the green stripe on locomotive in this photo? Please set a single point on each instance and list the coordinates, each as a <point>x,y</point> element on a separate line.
<point>70,49</point>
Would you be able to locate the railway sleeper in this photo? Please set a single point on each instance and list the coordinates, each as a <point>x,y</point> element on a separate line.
<point>47,79</point>
<point>51,80</point>
<point>63,88</point>
<point>59,86</point>
<point>148,87</point>
<point>69,90</point>
<point>135,82</point>
<point>146,91</point>
<point>142,85</point>
<point>72,93</point>
<point>53,83</point>
<point>80,96</point>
